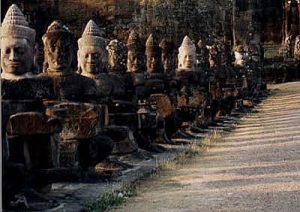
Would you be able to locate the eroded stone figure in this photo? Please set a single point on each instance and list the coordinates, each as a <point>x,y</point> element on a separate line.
<point>292,22</point>
<point>117,56</point>
<point>28,137</point>
<point>203,55</point>
<point>92,59</point>
<point>59,64</point>
<point>239,56</point>
<point>117,66</point>
<point>153,54</point>
<point>187,55</point>
<point>136,58</point>
<point>189,98</point>
<point>297,48</point>
<point>167,56</point>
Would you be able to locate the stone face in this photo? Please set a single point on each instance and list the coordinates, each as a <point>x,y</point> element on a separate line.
<point>135,59</point>
<point>153,55</point>
<point>17,44</point>
<point>297,48</point>
<point>36,123</point>
<point>187,55</point>
<point>92,53</point>
<point>292,18</point>
<point>117,56</point>
<point>214,56</point>
<point>239,56</point>
<point>59,46</point>
<point>167,56</point>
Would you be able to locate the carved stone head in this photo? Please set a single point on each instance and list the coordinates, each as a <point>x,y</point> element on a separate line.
<point>239,56</point>
<point>187,55</point>
<point>202,53</point>
<point>297,48</point>
<point>17,45</point>
<point>117,56</point>
<point>214,56</point>
<point>167,55</point>
<point>92,53</point>
<point>58,49</point>
<point>153,54</point>
<point>136,57</point>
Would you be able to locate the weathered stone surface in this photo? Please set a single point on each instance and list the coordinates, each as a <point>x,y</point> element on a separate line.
<point>81,121</point>
<point>27,88</point>
<point>136,57</point>
<point>123,139</point>
<point>10,107</point>
<point>17,45</point>
<point>74,87</point>
<point>153,55</point>
<point>117,56</point>
<point>32,123</point>
<point>297,48</point>
<point>167,56</point>
<point>59,65</point>
<point>163,104</point>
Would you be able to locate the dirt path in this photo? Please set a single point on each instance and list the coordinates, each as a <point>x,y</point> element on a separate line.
<point>257,168</point>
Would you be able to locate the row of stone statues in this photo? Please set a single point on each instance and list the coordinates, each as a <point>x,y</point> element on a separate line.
<point>115,101</point>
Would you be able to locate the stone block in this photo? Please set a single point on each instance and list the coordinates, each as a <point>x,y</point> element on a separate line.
<point>27,88</point>
<point>82,120</point>
<point>32,123</point>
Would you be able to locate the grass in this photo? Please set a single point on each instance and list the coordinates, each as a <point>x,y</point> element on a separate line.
<point>113,199</point>
<point>195,149</point>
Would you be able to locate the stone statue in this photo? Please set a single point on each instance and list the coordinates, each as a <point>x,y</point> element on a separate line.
<point>92,58</point>
<point>92,53</point>
<point>17,45</point>
<point>297,48</point>
<point>59,64</point>
<point>293,19</point>
<point>117,56</point>
<point>187,55</point>
<point>28,138</point>
<point>167,56</point>
<point>239,56</point>
<point>288,46</point>
<point>214,56</point>
<point>203,55</point>
<point>110,86</point>
<point>136,59</point>
<point>153,54</point>
<point>58,49</point>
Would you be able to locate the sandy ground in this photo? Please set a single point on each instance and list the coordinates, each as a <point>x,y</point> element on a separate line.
<point>255,168</point>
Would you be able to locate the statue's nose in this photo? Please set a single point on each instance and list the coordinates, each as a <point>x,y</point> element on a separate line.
<point>13,55</point>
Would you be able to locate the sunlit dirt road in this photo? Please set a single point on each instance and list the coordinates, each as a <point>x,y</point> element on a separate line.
<point>255,168</point>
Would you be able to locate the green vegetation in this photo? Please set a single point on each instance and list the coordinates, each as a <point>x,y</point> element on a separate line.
<point>113,199</point>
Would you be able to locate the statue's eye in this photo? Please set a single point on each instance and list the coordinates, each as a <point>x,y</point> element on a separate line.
<point>20,50</point>
<point>7,51</point>
<point>53,46</point>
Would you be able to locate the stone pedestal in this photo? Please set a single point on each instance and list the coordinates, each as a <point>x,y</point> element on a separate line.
<point>81,142</point>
